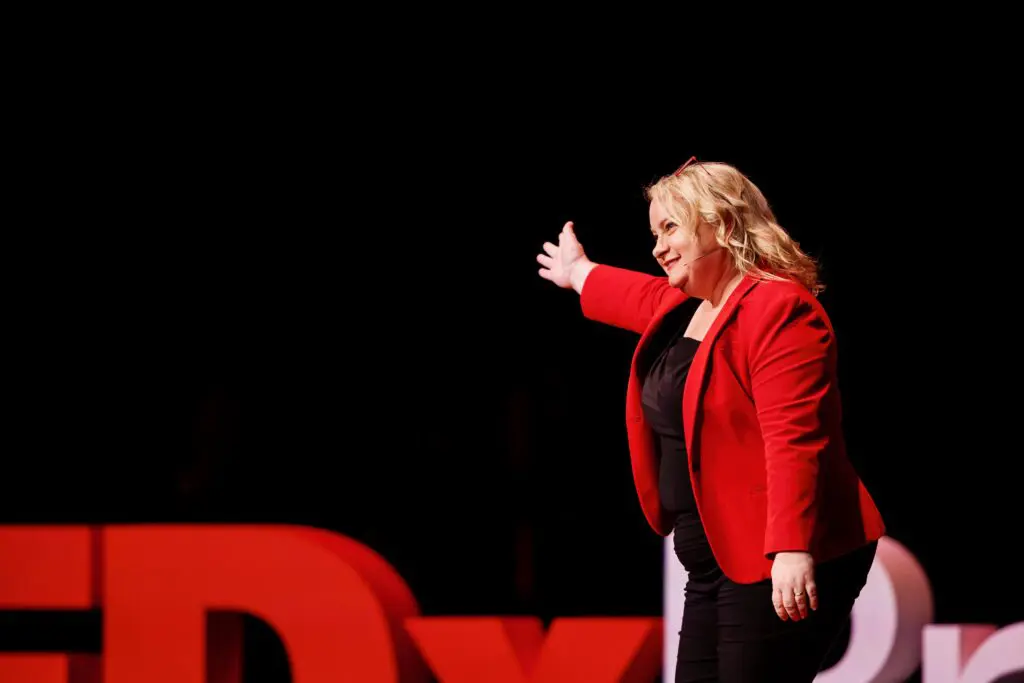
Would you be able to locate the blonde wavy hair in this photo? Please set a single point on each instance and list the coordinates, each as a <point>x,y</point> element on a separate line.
<point>742,220</point>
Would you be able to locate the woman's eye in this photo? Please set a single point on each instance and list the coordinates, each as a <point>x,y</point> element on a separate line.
<point>669,227</point>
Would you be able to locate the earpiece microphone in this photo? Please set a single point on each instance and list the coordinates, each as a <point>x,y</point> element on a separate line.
<point>707,253</point>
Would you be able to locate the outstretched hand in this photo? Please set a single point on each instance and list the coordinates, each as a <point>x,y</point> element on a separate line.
<point>565,264</point>
<point>793,585</point>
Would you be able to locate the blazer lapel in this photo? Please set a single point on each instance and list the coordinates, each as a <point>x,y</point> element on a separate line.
<point>696,379</point>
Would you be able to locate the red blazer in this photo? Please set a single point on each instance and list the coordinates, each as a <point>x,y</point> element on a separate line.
<point>762,414</point>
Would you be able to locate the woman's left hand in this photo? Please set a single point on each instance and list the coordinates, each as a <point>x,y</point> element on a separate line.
<point>793,585</point>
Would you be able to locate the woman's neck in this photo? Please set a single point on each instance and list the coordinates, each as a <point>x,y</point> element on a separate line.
<point>726,284</point>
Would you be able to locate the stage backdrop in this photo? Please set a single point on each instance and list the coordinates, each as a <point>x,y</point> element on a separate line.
<point>257,319</point>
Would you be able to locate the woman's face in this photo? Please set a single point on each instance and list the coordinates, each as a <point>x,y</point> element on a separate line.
<point>682,254</point>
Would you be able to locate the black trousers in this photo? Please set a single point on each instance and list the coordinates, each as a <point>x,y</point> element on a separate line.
<point>731,633</point>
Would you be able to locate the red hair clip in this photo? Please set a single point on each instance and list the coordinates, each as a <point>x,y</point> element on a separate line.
<point>683,167</point>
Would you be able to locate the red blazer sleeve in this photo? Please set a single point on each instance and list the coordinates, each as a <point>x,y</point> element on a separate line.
<point>793,387</point>
<point>623,298</point>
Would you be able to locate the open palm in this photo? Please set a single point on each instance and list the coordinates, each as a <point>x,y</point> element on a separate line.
<point>559,261</point>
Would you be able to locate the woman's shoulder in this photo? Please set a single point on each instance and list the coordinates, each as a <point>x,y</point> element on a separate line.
<point>775,291</point>
<point>771,298</point>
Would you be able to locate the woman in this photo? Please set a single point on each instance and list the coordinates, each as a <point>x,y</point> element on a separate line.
<point>733,418</point>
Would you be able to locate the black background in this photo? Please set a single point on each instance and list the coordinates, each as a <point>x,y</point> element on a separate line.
<point>286,302</point>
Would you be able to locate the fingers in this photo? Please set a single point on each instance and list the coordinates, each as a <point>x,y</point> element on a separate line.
<point>789,602</point>
<point>800,598</point>
<point>777,601</point>
<point>812,594</point>
<point>551,251</point>
<point>794,593</point>
<point>795,603</point>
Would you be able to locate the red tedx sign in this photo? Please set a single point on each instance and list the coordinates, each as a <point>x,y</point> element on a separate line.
<point>172,595</point>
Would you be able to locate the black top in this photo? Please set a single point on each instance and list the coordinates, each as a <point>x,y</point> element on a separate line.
<point>662,398</point>
<point>663,407</point>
